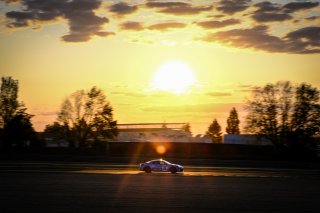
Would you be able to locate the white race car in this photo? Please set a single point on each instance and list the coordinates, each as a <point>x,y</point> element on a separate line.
<point>160,165</point>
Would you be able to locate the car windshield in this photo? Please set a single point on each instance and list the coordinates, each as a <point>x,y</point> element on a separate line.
<point>158,162</point>
<point>164,161</point>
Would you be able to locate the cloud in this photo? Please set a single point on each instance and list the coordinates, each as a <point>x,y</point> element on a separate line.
<point>233,6</point>
<point>195,108</point>
<point>10,1</point>
<point>245,88</point>
<point>130,94</point>
<point>295,6</point>
<point>270,12</point>
<point>83,22</point>
<point>123,8</point>
<point>22,19</point>
<point>217,24</point>
<point>177,8</point>
<point>266,6</point>
<point>312,18</point>
<point>159,4</point>
<point>166,26</point>
<point>270,17</point>
<point>218,94</point>
<point>131,25</point>
<point>186,10</point>
<point>302,41</point>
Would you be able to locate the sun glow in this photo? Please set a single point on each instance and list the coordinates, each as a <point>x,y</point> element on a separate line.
<point>161,149</point>
<point>173,76</point>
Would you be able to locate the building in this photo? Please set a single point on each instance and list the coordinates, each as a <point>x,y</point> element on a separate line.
<point>245,139</point>
<point>153,132</point>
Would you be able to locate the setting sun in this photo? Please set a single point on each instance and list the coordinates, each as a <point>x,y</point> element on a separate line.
<point>173,76</point>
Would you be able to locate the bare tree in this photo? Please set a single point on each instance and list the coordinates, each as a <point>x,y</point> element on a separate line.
<point>262,112</point>
<point>306,115</point>
<point>283,113</point>
<point>89,116</point>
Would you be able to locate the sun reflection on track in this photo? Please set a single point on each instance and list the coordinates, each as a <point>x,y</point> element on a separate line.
<point>190,173</point>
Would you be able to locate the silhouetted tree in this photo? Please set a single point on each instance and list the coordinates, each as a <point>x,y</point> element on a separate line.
<point>9,104</point>
<point>276,113</point>
<point>88,115</point>
<point>15,124</point>
<point>214,131</point>
<point>306,114</point>
<point>19,130</point>
<point>186,127</point>
<point>262,112</point>
<point>233,122</point>
<point>59,132</point>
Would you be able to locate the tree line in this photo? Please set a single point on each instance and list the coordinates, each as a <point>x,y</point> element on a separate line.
<point>287,115</point>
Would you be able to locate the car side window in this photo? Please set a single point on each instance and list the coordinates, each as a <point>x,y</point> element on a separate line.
<point>155,162</point>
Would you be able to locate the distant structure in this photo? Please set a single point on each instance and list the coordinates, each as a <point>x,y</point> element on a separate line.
<point>167,132</point>
<point>246,139</point>
<point>153,132</point>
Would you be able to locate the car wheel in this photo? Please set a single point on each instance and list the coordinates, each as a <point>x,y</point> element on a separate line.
<point>147,169</point>
<point>173,170</point>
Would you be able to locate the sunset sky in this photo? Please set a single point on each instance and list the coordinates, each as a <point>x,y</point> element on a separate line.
<point>157,61</point>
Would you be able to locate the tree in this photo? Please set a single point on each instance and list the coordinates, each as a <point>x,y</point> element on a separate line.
<point>214,131</point>
<point>262,112</point>
<point>15,123</point>
<point>9,104</point>
<point>275,112</point>
<point>306,114</point>
<point>88,115</point>
<point>59,132</point>
<point>233,122</point>
<point>186,127</point>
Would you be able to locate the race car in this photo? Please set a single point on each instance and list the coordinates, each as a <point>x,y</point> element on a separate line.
<point>160,165</point>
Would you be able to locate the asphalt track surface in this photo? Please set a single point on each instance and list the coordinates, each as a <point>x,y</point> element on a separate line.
<point>80,187</point>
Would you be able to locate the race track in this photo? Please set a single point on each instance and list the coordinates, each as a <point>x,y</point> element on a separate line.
<point>113,188</point>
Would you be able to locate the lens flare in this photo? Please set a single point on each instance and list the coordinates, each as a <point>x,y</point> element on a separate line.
<point>161,149</point>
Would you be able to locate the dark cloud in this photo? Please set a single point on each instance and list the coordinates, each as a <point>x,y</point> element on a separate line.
<point>123,8</point>
<point>177,8</point>
<point>267,7</point>
<point>10,1</point>
<point>312,18</point>
<point>131,25</point>
<point>166,4</point>
<point>217,24</point>
<point>166,26</point>
<point>269,12</point>
<point>83,23</point>
<point>185,10</point>
<point>270,17</point>
<point>310,36</point>
<point>104,34</point>
<point>302,41</point>
<point>22,18</point>
<point>295,6</point>
<point>233,6</point>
